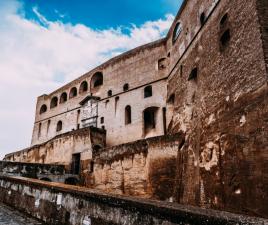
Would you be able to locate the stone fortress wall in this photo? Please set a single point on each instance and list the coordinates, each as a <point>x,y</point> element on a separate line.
<point>135,69</point>
<point>208,81</point>
<point>218,90</point>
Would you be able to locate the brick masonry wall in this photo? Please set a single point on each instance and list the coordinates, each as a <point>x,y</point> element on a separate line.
<point>59,150</point>
<point>262,7</point>
<point>144,168</point>
<point>223,163</point>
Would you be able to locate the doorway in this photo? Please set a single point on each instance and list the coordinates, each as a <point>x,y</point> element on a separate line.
<point>76,163</point>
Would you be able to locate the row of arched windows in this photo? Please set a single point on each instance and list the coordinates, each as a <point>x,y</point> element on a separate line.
<point>96,81</point>
<point>128,117</point>
<point>83,88</point>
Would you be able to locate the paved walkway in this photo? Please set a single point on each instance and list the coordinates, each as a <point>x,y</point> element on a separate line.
<point>9,216</point>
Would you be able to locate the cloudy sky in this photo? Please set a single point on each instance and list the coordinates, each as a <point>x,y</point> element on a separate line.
<point>47,43</point>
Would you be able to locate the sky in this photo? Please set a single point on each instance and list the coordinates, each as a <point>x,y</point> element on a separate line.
<point>46,43</point>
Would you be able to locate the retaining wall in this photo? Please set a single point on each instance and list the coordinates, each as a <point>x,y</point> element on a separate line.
<point>64,204</point>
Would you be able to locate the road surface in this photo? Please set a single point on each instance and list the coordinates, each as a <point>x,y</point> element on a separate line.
<point>9,216</point>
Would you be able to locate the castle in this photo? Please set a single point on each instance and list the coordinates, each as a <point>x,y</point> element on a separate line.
<point>183,119</point>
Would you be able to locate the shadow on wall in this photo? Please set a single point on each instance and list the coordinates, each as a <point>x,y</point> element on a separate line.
<point>162,178</point>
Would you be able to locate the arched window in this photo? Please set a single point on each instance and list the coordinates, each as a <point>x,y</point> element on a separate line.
<point>149,119</point>
<point>128,114</point>
<point>73,92</point>
<point>225,32</point>
<point>162,63</point>
<point>193,74</point>
<point>59,126</point>
<point>63,98</point>
<point>176,32</point>
<point>148,92</point>
<point>54,102</point>
<point>83,87</point>
<point>96,80</point>
<point>126,87</point>
<point>43,109</point>
<point>110,93</point>
<point>202,18</point>
<point>225,38</point>
<point>224,19</point>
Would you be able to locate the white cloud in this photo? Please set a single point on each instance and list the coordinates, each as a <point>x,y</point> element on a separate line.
<point>35,55</point>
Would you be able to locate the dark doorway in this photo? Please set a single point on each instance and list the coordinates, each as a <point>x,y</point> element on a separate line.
<point>71,181</point>
<point>149,119</point>
<point>76,164</point>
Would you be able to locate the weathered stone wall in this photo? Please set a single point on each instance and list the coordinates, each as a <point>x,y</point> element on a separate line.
<point>60,149</point>
<point>138,68</point>
<point>30,170</point>
<point>216,77</point>
<point>223,110</point>
<point>262,7</point>
<point>46,172</point>
<point>143,168</point>
<point>118,131</point>
<point>57,204</point>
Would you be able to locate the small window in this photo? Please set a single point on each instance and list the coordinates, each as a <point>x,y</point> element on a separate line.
<point>148,92</point>
<point>83,87</point>
<point>128,114</point>
<point>162,64</point>
<point>91,166</point>
<point>202,18</point>
<point>39,130</point>
<point>171,99</point>
<point>54,102</point>
<point>176,32</point>
<point>125,87</point>
<point>63,98</point>
<point>43,109</point>
<point>193,74</point>
<point>110,93</point>
<point>116,103</point>
<point>102,120</point>
<point>224,19</point>
<point>73,92</point>
<point>48,125</point>
<point>225,38</point>
<point>59,126</point>
<point>106,102</point>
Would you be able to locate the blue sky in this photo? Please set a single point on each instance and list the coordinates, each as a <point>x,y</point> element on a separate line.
<point>103,14</point>
<point>47,43</point>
